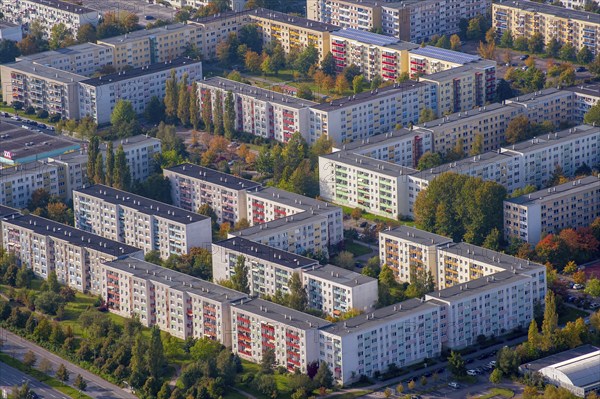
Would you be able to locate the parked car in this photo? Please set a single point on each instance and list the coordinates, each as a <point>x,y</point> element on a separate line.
<point>580,69</point>
<point>524,57</point>
<point>363,224</point>
<point>25,127</point>
<point>149,17</point>
<point>479,370</point>
<point>578,286</point>
<point>472,373</point>
<point>51,128</point>
<point>525,67</point>
<point>42,126</point>
<point>453,384</point>
<point>492,364</point>
<point>6,114</point>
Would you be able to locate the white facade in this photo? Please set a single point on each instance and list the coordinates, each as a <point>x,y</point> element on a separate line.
<point>140,222</point>
<point>586,97</point>
<point>139,154</point>
<point>82,59</point>
<point>98,96</point>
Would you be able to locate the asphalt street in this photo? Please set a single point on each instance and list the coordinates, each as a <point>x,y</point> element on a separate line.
<point>97,387</point>
<point>10,377</point>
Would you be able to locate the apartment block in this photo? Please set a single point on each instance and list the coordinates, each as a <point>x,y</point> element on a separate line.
<point>334,290</point>
<point>98,96</point>
<point>547,105</point>
<point>299,234</point>
<point>43,246</point>
<point>362,14</point>
<point>525,18</point>
<point>235,5</point>
<point>430,59</point>
<point>464,87</point>
<point>403,334</point>
<point>11,31</point>
<point>215,28</point>
<point>573,204</point>
<point>260,112</point>
<point>17,183</point>
<point>403,147</point>
<point>139,154</point>
<point>374,54</point>
<point>48,13</point>
<point>370,113</point>
<point>409,252</point>
<point>193,186</point>
<point>489,306</point>
<point>269,269</point>
<point>144,47</point>
<point>41,87</point>
<point>270,204</point>
<point>259,325</point>
<point>292,32</point>
<point>81,59</point>
<point>182,305</point>
<point>140,222</point>
<point>72,169</point>
<point>586,96</point>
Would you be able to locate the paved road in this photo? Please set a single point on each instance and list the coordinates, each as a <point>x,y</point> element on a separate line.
<point>139,7</point>
<point>97,388</point>
<point>10,376</point>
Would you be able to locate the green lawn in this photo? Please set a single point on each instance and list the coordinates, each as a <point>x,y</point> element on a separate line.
<point>497,392</point>
<point>9,109</point>
<point>46,379</point>
<point>282,381</point>
<point>376,218</point>
<point>570,314</point>
<point>357,249</point>
<point>352,395</point>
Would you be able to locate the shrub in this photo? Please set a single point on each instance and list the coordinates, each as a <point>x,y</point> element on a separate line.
<point>30,110</point>
<point>42,113</point>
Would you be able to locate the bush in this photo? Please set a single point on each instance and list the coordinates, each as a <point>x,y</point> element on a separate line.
<point>54,118</point>
<point>42,113</point>
<point>29,110</point>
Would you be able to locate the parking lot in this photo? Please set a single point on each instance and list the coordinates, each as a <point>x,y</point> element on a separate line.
<point>139,7</point>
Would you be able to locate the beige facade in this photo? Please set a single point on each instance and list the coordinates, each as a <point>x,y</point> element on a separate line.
<point>82,59</point>
<point>525,18</point>
<point>216,28</point>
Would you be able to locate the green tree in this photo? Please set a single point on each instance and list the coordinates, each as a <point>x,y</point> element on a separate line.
<point>493,240</point>
<point>240,275</point>
<point>357,84</point>
<point>229,117</point>
<point>93,151</point>
<point>508,361</point>
<point>206,110</point>
<point>194,106</point>
<point>268,361</point>
<point>8,51</point>
<point>585,56</point>
<point>345,260</point>
<point>536,43</point>
<point>138,364</point>
<point>123,112</point>
<point>122,175</point>
<point>60,37</point>
<point>429,160</point>
<point>376,82</point>
<point>553,47</point>
<point>80,383</point>
<point>518,129</point>
<point>443,42</point>
<point>155,358</point>
<point>324,376</point>
<point>506,40</point>
<point>328,65</point>
<point>29,359</point>
<point>474,30</point>
<point>550,323</point>
<point>62,374</point>
<point>567,52</point>
<point>305,92</point>
<point>217,116</point>
<point>298,298</point>
<point>183,101</point>
<point>592,287</point>
<point>48,302</point>
<point>171,96</point>
<point>307,58</point>
<point>592,116</point>
<point>496,376</point>
<point>86,34</point>
<point>456,364</point>
<point>110,164</point>
<point>99,170</point>
<point>154,110</point>
<point>427,115</point>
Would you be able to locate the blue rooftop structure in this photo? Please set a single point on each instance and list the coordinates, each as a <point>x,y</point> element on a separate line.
<point>446,55</point>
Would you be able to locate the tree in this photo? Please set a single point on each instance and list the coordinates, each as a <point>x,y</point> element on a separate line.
<point>412,384</point>
<point>324,377</point>
<point>474,30</point>
<point>8,51</point>
<point>267,361</point>
<point>154,110</point>
<point>80,383</point>
<point>60,37</point>
<point>536,43</point>
<point>553,47</point>
<point>567,52</point>
<point>455,42</point>
<point>443,42</point>
<point>110,164</point>
<point>550,323</point>
<point>122,175</point>
<point>48,302</point>
<point>183,101</point>
<point>351,71</point>
<point>506,40</point>
<point>357,84</point>
<point>518,129</point>
<point>496,376</point>
<point>93,151</point>
<point>328,65</point>
<point>592,287</point>
<point>533,335</point>
<point>487,50</point>
<point>252,61</point>
<point>305,92</point>
<point>508,361</point>
<point>341,84</point>
<point>99,170</point>
<point>426,115</point>
<point>345,260</point>
<point>229,118</point>
<point>86,34</point>
<point>45,366</point>
<point>123,112</point>
<point>429,160</point>
<point>29,359</point>
<point>493,240</point>
<point>218,114</point>
<point>156,358</point>
<point>240,275</point>
<point>570,268</point>
<point>62,374</point>
<point>307,58</point>
<point>298,297</point>
<point>356,213</point>
<point>171,96</point>
<point>456,364</point>
<point>592,116</point>
<point>194,106</point>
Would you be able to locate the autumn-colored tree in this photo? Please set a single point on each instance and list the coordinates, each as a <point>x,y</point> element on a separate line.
<point>570,268</point>
<point>579,277</point>
<point>252,61</point>
<point>455,42</point>
<point>341,84</point>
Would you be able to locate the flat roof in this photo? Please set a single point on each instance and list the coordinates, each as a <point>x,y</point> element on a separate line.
<point>367,96</point>
<point>257,92</point>
<point>463,116</point>
<point>141,71</point>
<point>254,249</point>
<point>560,357</point>
<point>292,199</point>
<point>142,33</point>
<point>550,139</point>
<point>379,316</point>
<point>557,191</point>
<point>445,54</point>
<point>7,211</point>
<point>537,96</point>
<point>363,145</point>
<point>177,280</point>
<point>213,176</point>
<point>63,5</point>
<point>281,314</point>
<point>419,236</point>
<point>258,231</point>
<point>71,50</point>
<point>542,8</point>
<point>131,141</point>
<point>8,24</point>
<point>74,236</point>
<point>460,70</point>
<point>300,22</point>
<point>42,71</point>
<point>219,16</point>
<point>483,284</point>
<point>22,169</point>
<point>24,143</point>
<point>383,167</point>
<point>141,204</point>
<point>366,37</point>
<point>589,89</point>
<point>492,258</point>
<point>403,4</point>
<point>338,275</point>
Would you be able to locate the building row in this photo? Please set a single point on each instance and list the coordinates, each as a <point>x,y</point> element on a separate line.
<point>498,294</point>
<point>389,189</point>
<point>525,18</point>
<point>410,20</point>
<point>59,175</point>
